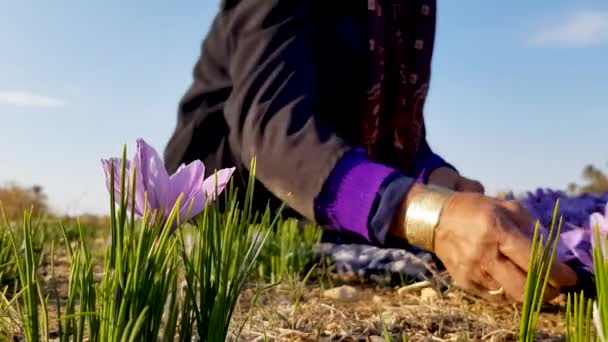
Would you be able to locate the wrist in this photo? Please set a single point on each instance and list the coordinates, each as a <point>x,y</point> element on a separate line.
<point>419,214</point>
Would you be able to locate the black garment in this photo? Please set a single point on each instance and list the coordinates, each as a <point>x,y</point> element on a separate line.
<point>279,80</point>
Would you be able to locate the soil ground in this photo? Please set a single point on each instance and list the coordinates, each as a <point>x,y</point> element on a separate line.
<point>421,314</point>
<point>417,311</point>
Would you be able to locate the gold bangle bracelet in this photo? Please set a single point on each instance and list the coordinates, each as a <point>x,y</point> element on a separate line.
<point>422,216</point>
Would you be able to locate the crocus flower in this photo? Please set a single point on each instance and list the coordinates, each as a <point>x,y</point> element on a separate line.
<point>600,220</point>
<point>163,190</point>
<point>581,240</point>
<point>578,242</point>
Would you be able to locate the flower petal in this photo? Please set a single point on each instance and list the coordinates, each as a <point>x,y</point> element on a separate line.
<point>573,238</point>
<point>198,201</point>
<point>210,186</point>
<point>154,177</point>
<point>205,191</point>
<point>599,220</point>
<point>575,241</point>
<point>116,163</point>
<point>139,197</point>
<point>188,179</point>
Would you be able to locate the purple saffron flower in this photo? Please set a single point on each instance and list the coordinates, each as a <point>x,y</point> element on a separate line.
<point>162,189</point>
<point>578,242</point>
<point>599,221</point>
<point>581,240</point>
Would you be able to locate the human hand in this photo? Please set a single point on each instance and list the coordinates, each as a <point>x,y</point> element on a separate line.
<point>483,245</point>
<point>450,179</point>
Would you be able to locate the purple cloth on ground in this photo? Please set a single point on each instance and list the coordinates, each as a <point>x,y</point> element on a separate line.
<point>348,197</point>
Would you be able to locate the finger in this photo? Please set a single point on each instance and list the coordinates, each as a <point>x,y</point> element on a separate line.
<point>550,293</point>
<point>510,277</point>
<point>516,247</point>
<point>479,288</point>
<point>493,288</point>
<point>444,183</point>
<point>468,185</point>
<point>518,279</point>
<point>486,287</point>
<point>444,177</point>
<point>495,295</point>
<point>561,274</point>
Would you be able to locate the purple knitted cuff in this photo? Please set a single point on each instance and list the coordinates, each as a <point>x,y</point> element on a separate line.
<point>348,196</point>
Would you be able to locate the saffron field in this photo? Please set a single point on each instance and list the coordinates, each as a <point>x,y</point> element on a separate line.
<point>174,261</point>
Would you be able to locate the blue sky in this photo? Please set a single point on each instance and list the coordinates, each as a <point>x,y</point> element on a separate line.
<point>518,99</point>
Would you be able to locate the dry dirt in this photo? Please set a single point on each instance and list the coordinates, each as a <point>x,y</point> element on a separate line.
<point>420,312</point>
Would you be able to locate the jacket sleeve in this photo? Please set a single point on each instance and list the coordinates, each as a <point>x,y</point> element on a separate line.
<point>427,160</point>
<point>258,53</point>
<point>271,112</point>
